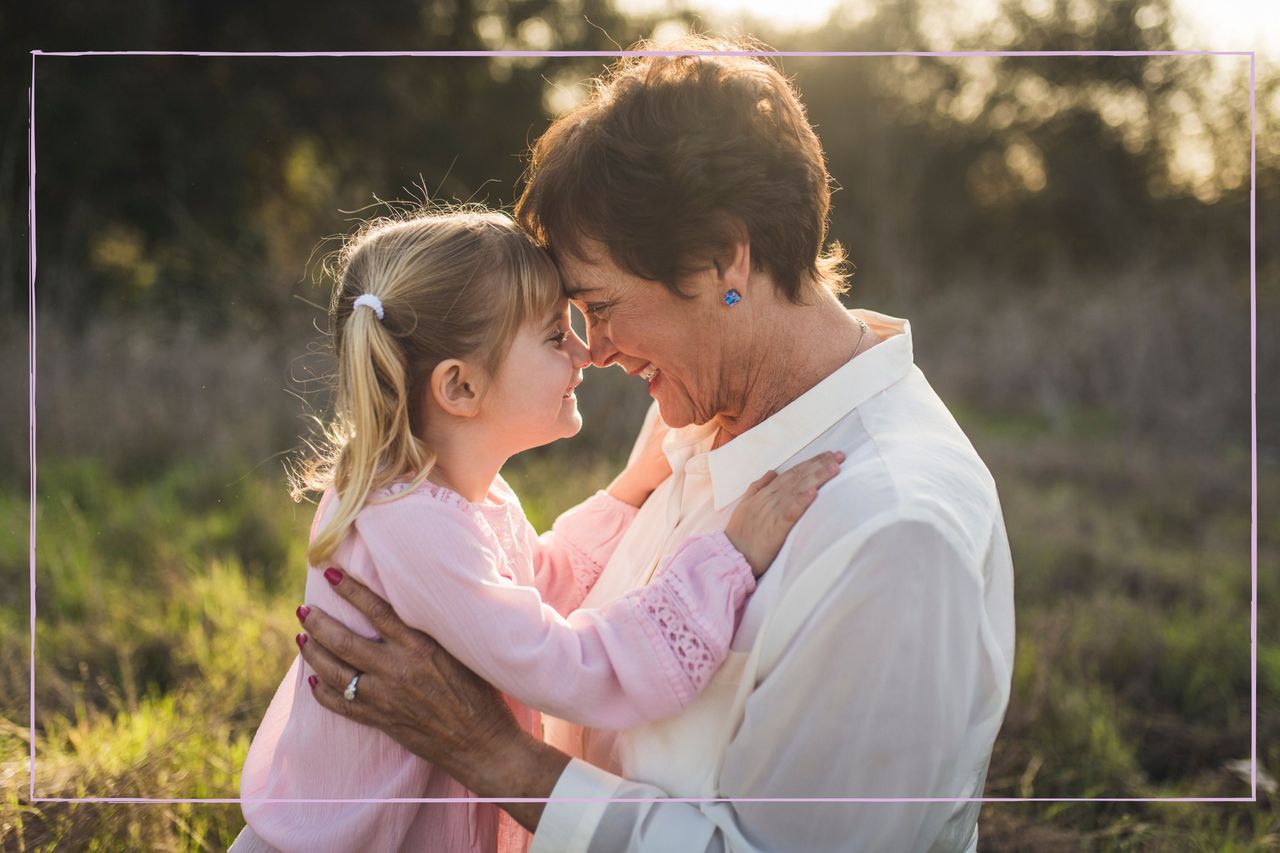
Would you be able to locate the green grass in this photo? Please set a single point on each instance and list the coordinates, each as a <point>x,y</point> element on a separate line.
<point>166,612</point>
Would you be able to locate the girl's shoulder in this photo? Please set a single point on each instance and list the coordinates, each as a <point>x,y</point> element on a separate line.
<point>419,503</point>
<point>424,505</point>
<point>431,510</point>
<point>436,524</point>
<point>424,492</point>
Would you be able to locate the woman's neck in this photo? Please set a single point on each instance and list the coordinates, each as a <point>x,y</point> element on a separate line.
<point>797,351</point>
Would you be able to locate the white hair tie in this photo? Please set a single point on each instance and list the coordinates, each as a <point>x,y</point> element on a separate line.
<point>370,301</point>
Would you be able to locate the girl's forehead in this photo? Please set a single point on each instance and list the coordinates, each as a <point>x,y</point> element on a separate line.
<point>556,312</point>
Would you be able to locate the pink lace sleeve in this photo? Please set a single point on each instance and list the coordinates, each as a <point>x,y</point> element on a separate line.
<point>568,559</point>
<point>638,658</point>
<point>690,611</point>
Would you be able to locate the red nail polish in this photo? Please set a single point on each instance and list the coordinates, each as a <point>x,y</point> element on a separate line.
<point>311,679</point>
<point>303,610</point>
<point>301,640</point>
<point>333,576</point>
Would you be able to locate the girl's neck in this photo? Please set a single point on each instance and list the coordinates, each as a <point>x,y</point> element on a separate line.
<point>465,463</point>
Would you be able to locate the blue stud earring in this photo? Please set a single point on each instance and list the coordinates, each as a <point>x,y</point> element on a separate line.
<point>732,297</point>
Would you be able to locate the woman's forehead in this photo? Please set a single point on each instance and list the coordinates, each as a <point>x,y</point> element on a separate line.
<point>597,281</point>
<point>589,264</point>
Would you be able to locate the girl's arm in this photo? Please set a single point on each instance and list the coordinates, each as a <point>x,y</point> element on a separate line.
<point>568,559</point>
<point>643,657</point>
<point>611,668</point>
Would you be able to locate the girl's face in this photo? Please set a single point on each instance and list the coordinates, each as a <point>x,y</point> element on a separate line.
<point>532,400</point>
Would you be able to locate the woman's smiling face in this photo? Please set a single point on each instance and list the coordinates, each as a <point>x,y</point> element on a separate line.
<point>648,331</point>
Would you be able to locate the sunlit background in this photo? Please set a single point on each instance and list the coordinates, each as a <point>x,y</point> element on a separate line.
<point>1197,24</point>
<point>1193,25</point>
<point>1069,237</point>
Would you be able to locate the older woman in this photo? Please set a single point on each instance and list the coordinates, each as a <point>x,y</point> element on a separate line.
<point>686,202</point>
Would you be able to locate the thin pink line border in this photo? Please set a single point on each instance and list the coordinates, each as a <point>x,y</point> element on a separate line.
<point>1253,408</point>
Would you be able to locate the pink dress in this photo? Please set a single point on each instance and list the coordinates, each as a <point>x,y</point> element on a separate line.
<point>501,599</point>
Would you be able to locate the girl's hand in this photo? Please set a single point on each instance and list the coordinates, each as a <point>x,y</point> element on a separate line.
<point>772,506</point>
<point>647,467</point>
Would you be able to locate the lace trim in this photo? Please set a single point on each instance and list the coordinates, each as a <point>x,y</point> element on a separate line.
<point>664,606</point>
<point>501,528</point>
<point>586,571</point>
<point>448,497</point>
<point>586,568</point>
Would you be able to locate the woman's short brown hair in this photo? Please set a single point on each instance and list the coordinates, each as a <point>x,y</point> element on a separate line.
<point>650,163</point>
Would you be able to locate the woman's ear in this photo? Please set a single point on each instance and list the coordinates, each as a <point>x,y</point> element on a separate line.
<point>733,259</point>
<point>456,387</point>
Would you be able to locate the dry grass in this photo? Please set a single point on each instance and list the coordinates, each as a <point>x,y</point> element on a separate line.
<point>1116,428</point>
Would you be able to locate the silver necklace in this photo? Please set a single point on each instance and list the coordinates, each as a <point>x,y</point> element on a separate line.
<point>865,328</point>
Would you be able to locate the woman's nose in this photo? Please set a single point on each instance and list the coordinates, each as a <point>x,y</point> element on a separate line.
<point>602,351</point>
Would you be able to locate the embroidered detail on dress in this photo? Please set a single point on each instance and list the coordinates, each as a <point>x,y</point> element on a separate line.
<point>668,611</point>
<point>448,497</point>
<point>585,574</point>
<point>585,570</point>
<point>495,521</point>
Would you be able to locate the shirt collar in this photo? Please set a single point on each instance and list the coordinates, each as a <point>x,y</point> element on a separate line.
<point>772,442</point>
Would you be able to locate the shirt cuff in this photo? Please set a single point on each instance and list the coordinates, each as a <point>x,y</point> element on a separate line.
<point>567,826</point>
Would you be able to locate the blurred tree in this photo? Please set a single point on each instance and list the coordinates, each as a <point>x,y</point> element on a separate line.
<point>1020,163</point>
<point>191,185</point>
<point>198,187</point>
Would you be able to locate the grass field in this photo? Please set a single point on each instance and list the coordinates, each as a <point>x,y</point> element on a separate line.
<point>166,601</point>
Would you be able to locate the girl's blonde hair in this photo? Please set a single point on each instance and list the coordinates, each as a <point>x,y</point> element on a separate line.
<point>453,284</point>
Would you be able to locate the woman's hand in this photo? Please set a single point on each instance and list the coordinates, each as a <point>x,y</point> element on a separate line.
<point>647,467</point>
<point>772,506</point>
<point>421,696</point>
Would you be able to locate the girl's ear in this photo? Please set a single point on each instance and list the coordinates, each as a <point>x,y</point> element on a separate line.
<point>456,387</point>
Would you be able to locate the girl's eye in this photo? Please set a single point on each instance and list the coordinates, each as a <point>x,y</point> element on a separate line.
<point>560,337</point>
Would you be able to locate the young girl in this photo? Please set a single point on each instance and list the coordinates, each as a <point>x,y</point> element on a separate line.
<point>454,353</point>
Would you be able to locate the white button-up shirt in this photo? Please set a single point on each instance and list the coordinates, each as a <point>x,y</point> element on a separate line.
<point>873,661</point>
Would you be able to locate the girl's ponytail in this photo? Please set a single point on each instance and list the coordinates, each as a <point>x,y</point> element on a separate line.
<point>373,399</point>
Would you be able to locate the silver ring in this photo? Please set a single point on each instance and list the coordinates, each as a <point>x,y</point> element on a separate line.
<point>350,693</point>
